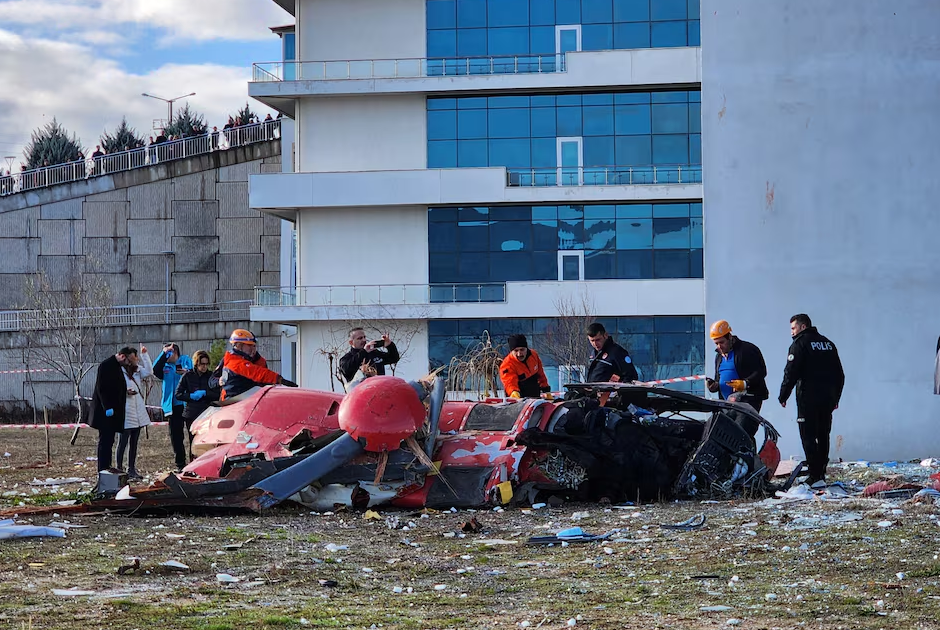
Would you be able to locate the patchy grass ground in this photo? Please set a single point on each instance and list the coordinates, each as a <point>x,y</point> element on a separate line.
<point>752,559</point>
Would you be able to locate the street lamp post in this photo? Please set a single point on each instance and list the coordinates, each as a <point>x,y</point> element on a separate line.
<point>169,102</point>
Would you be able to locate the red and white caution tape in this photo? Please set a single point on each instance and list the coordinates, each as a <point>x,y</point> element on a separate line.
<point>679,379</point>
<point>27,371</point>
<point>61,426</point>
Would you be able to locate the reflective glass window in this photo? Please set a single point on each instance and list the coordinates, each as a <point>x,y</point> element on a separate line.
<point>543,123</point>
<point>442,237</point>
<point>471,42</point>
<point>632,10</point>
<point>695,148</point>
<point>695,33</point>
<point>631,35</point>
<point>542,12</point>
<point>290,47</point>
<point>507,41</point>
<point>597,12</point>
<point>671,234</point>
<point>511,153</point>
<point>634,234</point>
<point>694,9</point>
<point>471,154</point>
<point>442,154</point>
<point>670,118</point>
<point>662,10</point>
<point>668,34</point>
<point>600,264</point>
<point>671,149</point>
<point>635,264</point>
<point>442,125</point>
<point>471,13</point>
<point>568,121</point>
<point>597,37</point>
<point>441,14</point>
<point>695,117</point>
<point>471,123</point>
<point>442,43</point>
<point>671,263</point>
<point>543,152</point>
<point>567,11</point>
<point>633,150</point>
<point>542,40</point>
<point>599,151</point>
<point>508,123</point>
<point>507,13</point>
<point>598,120</point>
<point>632,120</point>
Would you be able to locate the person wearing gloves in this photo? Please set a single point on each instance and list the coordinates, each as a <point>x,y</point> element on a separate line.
<point>739,368</point>
<point>169,369</point>
<point>243,368</point>
<point>108,402</point>
<point>195,391</point>
<point>522,373</point>
<point>135,412</point>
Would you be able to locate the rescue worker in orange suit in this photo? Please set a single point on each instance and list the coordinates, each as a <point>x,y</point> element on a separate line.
<point>522,373</point>
<point>739,369</point>
<point>243,368</point>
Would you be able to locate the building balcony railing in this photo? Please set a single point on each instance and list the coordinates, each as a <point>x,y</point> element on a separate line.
<point>604,175</point>
<point>406,68</point>
<point>381,295</point>
<point>149,155</point>
<point>136,315</point>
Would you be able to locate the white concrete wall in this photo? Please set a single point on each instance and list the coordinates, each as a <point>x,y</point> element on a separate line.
<point>651,67</point>
<point>362,133</point>
<point>609,298</point>
<point>317,338</point>
<point>435,187</point>
<point>363,29</point>
<point>364,246</point>
<point>820,156</point>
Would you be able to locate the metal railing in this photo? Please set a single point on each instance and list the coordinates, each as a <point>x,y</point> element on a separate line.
<point>604,175</point>
<point>381,295</point>
<point>414,68</point>
<point>139,315</point>
<point>149,155</point>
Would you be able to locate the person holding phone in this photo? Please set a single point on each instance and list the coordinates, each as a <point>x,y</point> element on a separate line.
<point>377,354</point>
<point>170,369</point>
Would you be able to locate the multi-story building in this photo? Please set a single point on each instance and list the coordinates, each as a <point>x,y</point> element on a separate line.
<point>462,166</point>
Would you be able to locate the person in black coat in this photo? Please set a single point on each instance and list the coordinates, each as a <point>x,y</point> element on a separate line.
<point>609,361</point>
<point>376,354</point>
<point>195,390</point>
<point>109,400</point>
<point>815,370</point>
<point>739,368</point>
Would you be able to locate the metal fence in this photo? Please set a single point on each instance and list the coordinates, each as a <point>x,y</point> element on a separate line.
<point>142,315</point>
<point>604,175</point>
<point>383,295</point>
<point>149,155</point>
<point>413,68</point>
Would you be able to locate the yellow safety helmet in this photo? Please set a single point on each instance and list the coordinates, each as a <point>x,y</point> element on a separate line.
<point>720,329</point>
<point>240,335</point>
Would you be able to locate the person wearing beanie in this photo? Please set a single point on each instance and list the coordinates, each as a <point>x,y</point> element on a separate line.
<point>521,371</point>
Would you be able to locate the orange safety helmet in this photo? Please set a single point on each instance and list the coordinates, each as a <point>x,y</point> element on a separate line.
<point>240,335</point>
<point>720,329</point>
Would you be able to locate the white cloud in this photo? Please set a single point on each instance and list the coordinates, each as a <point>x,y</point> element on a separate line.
<point>177,19</point>
<point>43,79</point>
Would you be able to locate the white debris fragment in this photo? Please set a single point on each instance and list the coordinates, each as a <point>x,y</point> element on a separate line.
<point>714,608</point>
<point>225,578</point>
<point>733,622</point>
<point>770,597</point>
<point>333,547</point>
<point>572,623</point>
<point>885,523</point>
<point>440,587</point>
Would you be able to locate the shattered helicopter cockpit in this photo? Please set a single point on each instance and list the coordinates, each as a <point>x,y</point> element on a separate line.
<point>391,442</point>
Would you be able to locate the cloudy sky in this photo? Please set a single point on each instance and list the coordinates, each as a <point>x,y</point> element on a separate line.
<point>86,62</point>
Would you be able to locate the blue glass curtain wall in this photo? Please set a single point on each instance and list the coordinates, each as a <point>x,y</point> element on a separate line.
<point>481,28</point>
<point>521,243</point>
<point>661,347</point>
<point>628,129</point>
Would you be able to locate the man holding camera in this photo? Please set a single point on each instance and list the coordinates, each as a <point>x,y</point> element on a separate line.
<point>365,354</point>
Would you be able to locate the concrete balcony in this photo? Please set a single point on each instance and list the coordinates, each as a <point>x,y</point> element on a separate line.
<point>640,68</point>
<point>284,193</point>
<point>292,305</point>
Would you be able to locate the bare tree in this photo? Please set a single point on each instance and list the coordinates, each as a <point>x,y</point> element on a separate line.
<point>63,329</point>
<point>477,370</point>
<point>564,342</point>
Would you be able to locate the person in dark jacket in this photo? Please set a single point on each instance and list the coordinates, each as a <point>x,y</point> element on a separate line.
<point>378,354</point>
<point>109,401</point>
<point>522,373</point>
<point>815,370</point>
<point>609,361</point>
<point>194,389</point>
<point>739,368</point>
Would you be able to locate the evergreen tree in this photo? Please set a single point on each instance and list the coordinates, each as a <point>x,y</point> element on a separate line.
<point>50,145</point>
<point>123,138</point>
<point>186,123</point>
<point>244,116</point>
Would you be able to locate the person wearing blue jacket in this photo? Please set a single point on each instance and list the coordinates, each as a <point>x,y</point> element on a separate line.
<point>170,369</point>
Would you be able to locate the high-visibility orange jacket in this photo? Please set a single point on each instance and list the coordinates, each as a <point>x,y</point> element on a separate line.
<point>240,373</point>
<point>526,377</point>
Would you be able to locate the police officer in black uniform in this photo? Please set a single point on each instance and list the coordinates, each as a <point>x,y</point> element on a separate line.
<point>814,368</point>
<point>609,359</point>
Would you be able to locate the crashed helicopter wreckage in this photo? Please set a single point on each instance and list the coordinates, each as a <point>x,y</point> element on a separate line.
<point>380,445</point>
